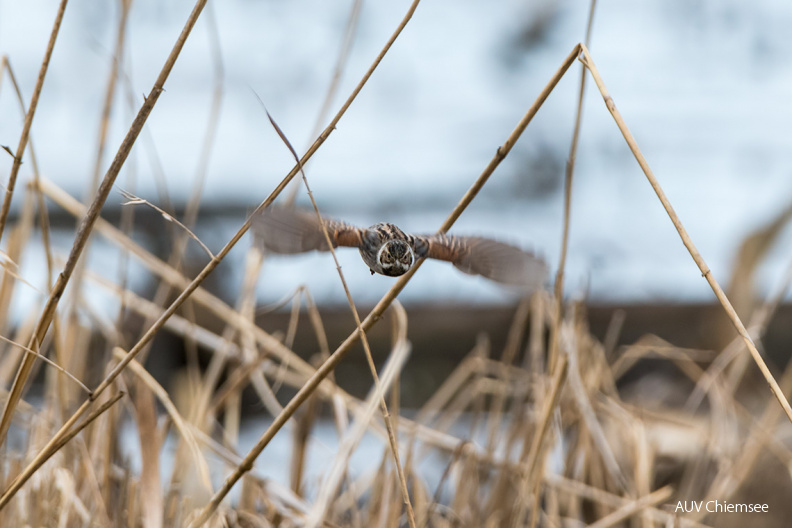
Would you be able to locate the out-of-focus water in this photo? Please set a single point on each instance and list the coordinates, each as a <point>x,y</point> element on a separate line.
<point>705,88</point>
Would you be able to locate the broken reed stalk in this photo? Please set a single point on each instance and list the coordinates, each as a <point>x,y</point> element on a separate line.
<point>686,240</point>
<point>328,366</point>
<point>92,214</point>
<point>23,138</point>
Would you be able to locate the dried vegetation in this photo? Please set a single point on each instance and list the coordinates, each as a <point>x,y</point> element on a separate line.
<point>536,434</point>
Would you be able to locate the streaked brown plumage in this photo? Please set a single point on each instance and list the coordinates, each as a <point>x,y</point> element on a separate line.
<point>388,250</point>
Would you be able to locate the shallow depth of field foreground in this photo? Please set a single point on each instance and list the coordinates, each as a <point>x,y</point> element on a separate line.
<point>160,368</point>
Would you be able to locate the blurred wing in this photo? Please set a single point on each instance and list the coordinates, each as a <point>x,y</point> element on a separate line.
<point>481,256</point>
<point>287,230</point>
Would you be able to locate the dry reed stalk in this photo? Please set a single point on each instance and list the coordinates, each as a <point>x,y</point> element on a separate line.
<point>734,473</point>
<point>43,219</point>
<point>613,332</point>
<point>533,454</point>
<point>376,313</point>
<point>555,365</point>
<point>757,326</point>
<point>223,348</point>
<point>25,136</point>
<point>628,510</point>
<point>652,346</point>
<point>643,474</point>
<point>180,423</point>
<point>342,58</point>
<point>513,340</point>
<point>226,347</point>
<point>301,433</point>
<point>686,240</point>
<point>193,204</point>
<point>367,349</point>
<point>450,387</point>
<point>475,470</point>
<point>210,134</point>
<point>109,95</point>
<point>569,347</point>
<point>583,490</point>
<point>568,177</point>
<point>17,242</point>
<point>87,226</point>
<point>21,234</point>
<point>136,200</point>
<point>78,355</point>
<point>80,426</point>
<point>354,435</point>
<point>339,408</point>
<point>206,300</point>
<point>150,440</point>
<point>47,361</point>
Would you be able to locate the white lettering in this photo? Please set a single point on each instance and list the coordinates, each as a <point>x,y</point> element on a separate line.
<point>715,506</point>
<point>683,506</point>
<point>688,508</point>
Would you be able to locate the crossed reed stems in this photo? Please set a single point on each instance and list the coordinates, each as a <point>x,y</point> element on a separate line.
<point>88,411</point>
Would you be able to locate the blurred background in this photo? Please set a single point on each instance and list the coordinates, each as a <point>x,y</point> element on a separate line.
<point>704,87</point>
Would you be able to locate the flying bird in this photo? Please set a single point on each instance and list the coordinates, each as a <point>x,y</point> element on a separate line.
<point>388,250</point>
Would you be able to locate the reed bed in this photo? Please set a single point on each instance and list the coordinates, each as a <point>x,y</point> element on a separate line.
<point>540,433</point>
<point>520,443</point>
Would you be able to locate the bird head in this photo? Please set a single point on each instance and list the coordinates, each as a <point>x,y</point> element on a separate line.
<point>395,257</point>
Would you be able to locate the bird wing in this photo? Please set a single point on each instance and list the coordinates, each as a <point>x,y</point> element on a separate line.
<point>494,260</point>
<point>287,230</point>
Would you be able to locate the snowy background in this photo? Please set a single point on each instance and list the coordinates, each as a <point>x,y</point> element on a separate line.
<point>704,86</point>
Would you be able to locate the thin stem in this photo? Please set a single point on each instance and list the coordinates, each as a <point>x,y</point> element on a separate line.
<point>558,290</point>
<point>329,365</point>
<point>81,239</point>
<point>686,240</point>
<point>364,339</point>
<point>23,139</point>
<point>91,217</point>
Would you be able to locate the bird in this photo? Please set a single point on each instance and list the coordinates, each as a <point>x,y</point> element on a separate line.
<point>389,251</point>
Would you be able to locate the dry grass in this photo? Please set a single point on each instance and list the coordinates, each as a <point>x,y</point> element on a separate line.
<point>537,434</point>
